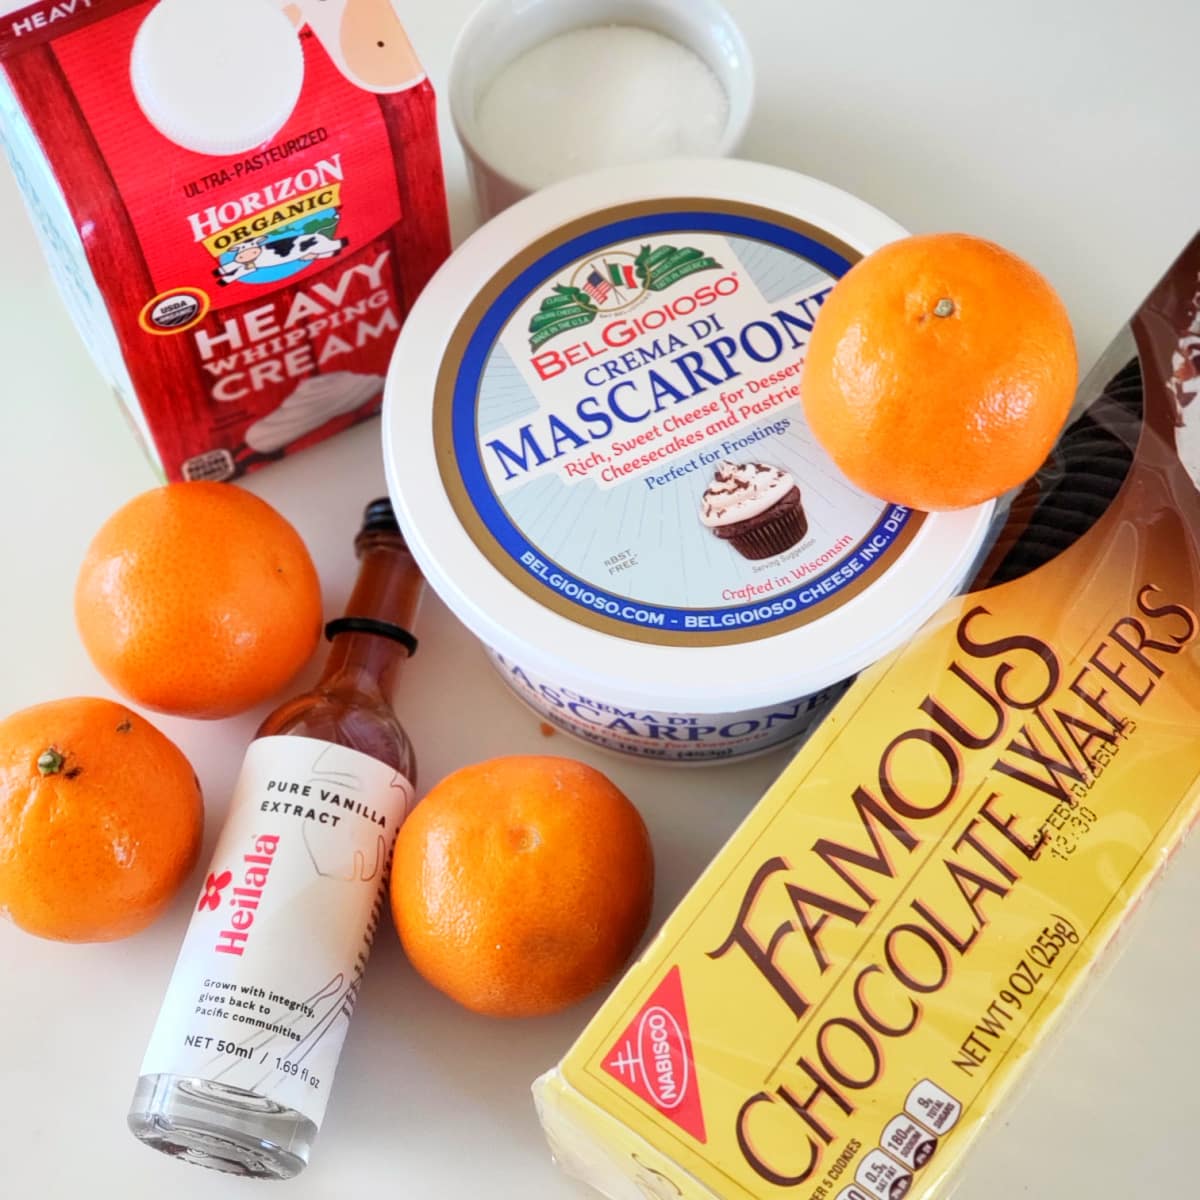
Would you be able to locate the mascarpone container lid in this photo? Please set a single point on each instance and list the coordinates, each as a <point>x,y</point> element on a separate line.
<point>594,442</point>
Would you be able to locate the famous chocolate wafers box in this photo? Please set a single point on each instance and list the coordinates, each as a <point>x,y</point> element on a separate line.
<point>240,200</point>
<point>861,975</point>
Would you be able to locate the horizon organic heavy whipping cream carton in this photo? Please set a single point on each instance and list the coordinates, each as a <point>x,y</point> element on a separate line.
<point>240,200</point>
<point>859,977</point>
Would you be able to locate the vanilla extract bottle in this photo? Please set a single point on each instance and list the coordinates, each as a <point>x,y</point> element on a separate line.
<point>239,1067</point>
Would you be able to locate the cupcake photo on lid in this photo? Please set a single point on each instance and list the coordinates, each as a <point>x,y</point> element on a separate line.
<point>755,507</point>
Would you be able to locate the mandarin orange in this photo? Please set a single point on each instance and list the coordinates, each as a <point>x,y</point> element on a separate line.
<point>198,599</point>
<point>940,371</point>
<point>100,820</point>
<point>522,884</point>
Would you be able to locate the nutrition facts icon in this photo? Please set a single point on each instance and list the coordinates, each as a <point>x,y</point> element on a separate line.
<point>935,1108</point>
<point>213,465</point>
<point>882,1177</point>
<point>911,1143</point>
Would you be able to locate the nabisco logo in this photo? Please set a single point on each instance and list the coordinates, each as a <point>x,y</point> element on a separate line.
<point>653,1058</point>
<point>660,1047</point>
<point>243,900</point>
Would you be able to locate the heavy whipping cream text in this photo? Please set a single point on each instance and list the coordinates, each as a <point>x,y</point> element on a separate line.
<point>35,18</point>
<point>315,329</point>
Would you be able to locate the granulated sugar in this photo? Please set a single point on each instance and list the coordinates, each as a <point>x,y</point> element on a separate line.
<point>598,97</point>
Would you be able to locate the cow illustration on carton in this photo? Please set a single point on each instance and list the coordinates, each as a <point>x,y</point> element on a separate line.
<point>278,257</point>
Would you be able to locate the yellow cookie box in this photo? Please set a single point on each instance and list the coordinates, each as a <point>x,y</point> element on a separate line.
<point>860,975</point>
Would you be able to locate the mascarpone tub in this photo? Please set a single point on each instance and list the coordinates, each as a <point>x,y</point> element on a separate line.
<point>595,444</point>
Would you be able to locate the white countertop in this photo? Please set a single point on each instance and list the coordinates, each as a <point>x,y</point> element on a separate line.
<point>1065,131</point>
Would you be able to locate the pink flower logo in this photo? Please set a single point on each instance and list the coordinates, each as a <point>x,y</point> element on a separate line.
<point>213,886</point>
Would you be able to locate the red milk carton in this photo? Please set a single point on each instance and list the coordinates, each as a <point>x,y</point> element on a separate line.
<point>240,200</point>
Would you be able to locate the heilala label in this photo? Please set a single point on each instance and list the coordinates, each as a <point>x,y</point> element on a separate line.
<point>266,981</point>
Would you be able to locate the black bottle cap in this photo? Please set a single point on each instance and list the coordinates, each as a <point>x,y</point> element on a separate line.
<point>379,517</point>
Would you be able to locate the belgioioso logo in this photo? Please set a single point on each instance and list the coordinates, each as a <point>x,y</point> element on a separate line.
<point>611,283</point>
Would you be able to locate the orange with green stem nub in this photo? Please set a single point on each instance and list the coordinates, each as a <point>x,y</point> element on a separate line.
<point>100,820</point>
<point>940,370</point>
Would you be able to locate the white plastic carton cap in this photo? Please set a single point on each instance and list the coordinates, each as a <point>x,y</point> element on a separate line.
<point>217,76</point>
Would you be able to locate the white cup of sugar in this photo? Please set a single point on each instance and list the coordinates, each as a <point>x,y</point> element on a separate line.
<point>544,89</point>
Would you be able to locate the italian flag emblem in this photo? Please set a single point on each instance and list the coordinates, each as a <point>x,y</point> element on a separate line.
<point>621,275</point>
